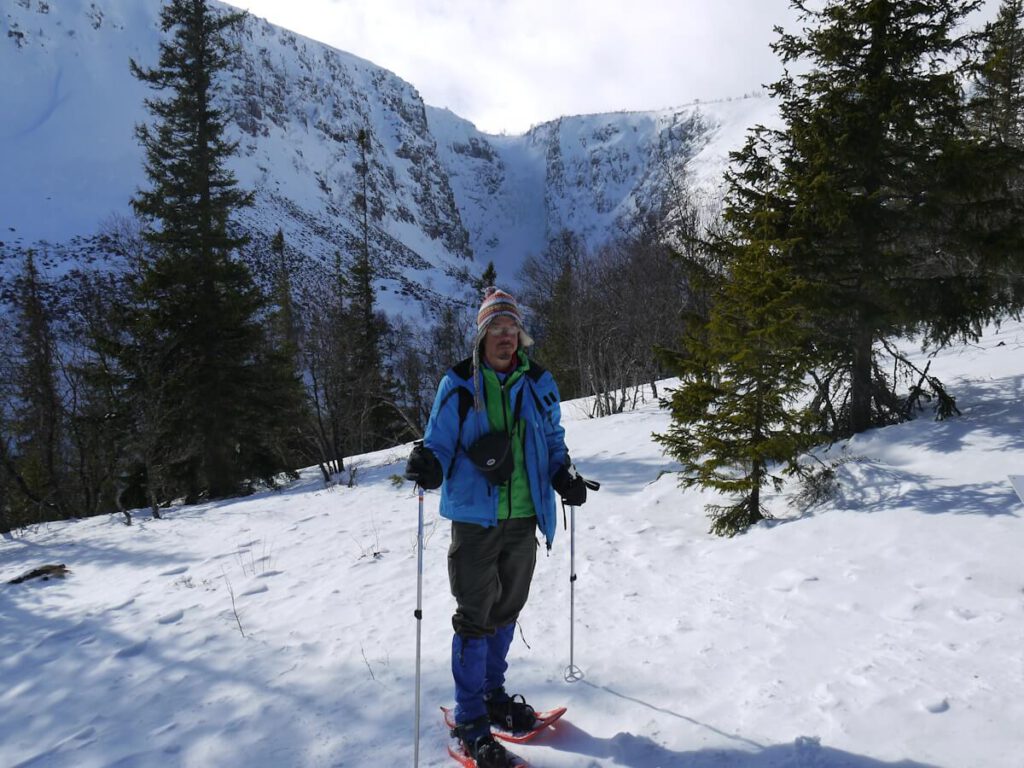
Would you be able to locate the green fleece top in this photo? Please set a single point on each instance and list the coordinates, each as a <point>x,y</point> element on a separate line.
<point>499,414</point>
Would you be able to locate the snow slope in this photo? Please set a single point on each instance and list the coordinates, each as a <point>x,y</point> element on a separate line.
<point>884,628</point>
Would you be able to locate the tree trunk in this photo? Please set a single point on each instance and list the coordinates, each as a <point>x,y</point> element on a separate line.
<point>754,500</point>
<point>860,380</point>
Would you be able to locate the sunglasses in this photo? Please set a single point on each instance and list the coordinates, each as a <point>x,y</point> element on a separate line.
<point>502,330</point>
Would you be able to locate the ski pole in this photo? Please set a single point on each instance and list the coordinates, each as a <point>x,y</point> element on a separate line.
<point>419,618</point>
<point>572,672</point>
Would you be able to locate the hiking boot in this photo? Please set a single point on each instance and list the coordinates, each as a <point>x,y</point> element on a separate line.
<point>477,741</point>
<point>510,713</point>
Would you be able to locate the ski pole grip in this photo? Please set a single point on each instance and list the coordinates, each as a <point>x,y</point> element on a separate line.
<point>592,484</point>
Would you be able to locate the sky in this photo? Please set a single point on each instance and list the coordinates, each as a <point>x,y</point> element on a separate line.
<point>508,65</point>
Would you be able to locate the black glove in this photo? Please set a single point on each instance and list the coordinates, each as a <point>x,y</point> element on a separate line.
<point>423,468</point>
<point>570,486</point>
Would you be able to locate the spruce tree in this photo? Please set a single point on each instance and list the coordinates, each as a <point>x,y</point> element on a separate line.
<point>7,517</point>
<point>737,419</point>
<point>193,193</point>
<point>205,393</point>
<point>997,103</point>
<point>98,422</point>
<point>285,326</point>
<point>876,184</point>
<point>369,389</point>
<point>986,207</point>
<point>488,278</point>
<point>364,384</point>
<point>6,400</point>
<point>736,425</point>
<point>36,459</point>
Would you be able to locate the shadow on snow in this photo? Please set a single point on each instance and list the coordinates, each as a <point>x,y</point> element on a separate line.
<point>633,751</point>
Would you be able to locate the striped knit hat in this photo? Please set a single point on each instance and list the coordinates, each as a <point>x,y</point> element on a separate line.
<point>496,303</point>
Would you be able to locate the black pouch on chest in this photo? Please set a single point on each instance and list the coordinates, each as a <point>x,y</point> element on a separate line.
<point>492,453</point>
<point>492,456</point>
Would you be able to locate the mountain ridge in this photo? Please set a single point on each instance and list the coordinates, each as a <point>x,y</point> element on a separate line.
<point>445,197</point>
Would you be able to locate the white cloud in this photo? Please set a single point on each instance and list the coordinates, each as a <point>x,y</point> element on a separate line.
<point>508,64</point>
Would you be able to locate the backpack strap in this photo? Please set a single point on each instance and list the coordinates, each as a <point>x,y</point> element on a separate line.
<point>465,405</point>
<point>464,369</point>
<point>519,407</point>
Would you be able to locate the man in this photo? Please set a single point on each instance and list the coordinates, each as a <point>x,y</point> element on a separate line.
<point>495,446</point>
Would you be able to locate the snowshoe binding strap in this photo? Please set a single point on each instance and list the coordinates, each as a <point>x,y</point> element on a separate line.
<point>512,713</point>
<point>489,753</point>
<point>477,742</point>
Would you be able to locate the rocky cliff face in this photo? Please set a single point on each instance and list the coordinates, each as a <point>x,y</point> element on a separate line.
<point>444,198</point>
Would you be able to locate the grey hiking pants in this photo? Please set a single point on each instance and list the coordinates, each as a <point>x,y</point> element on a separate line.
<point>490,570</point>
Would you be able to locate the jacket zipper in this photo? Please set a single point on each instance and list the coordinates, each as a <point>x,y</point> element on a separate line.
<point>511,447</point>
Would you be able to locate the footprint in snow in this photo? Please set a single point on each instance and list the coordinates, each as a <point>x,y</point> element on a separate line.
<point>789,580</point>
<point>938,707</point>
<point>175,571</point>
<point>255,590</point>
<point>171,618</point>
<point>132,650</point>
<point>964,614</point>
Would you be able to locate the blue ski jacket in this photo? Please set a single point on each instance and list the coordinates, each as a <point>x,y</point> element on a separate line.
<point>466,495</point>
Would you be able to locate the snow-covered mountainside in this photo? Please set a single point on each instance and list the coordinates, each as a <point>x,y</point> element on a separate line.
<point>446,197</point>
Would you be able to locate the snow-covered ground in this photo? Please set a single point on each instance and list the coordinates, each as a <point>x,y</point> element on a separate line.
<point>884,628</point>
